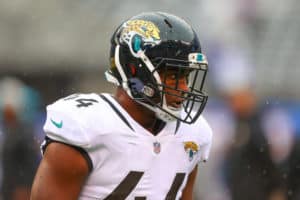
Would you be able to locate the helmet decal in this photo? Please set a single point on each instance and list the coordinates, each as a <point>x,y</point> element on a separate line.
<point>146,29</point>
<point>139,34</point>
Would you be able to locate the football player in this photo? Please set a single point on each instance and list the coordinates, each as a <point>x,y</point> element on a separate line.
<point>145,141</point>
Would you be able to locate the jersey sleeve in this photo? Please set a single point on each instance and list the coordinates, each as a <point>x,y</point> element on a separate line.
<point>205,151</point>
<point>78,121</point>
<point>63,126</point>
<point>206,136</point>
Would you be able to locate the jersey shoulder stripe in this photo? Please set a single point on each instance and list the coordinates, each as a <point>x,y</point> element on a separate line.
<point>117,111</point>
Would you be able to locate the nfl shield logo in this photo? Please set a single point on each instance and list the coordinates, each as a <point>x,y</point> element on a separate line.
<point>156,147</point>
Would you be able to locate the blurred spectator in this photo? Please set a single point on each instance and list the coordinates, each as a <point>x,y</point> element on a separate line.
<point>284,148</point>
<point>249,171</point>
<point>19,149</point>
<point>293,186</point>
<point>19,157</point>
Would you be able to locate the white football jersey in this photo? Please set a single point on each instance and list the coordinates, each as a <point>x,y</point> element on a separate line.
<point>127,162</point>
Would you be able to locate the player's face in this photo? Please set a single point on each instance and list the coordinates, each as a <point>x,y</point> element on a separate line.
<point>176,83</point>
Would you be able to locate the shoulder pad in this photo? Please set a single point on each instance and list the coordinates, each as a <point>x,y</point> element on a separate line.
<point>65,120</point>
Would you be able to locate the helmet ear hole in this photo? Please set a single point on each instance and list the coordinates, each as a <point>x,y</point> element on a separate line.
<point>136,43</point>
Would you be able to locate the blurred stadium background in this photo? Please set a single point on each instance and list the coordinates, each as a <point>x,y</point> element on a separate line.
<point>50,49</point>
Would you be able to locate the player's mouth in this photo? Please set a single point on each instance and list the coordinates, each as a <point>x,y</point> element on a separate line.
<point>176,105</point>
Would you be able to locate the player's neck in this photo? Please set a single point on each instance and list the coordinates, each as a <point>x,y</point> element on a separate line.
<point>139,113</point>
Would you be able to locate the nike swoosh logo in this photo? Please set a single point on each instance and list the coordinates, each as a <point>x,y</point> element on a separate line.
<point>57,124</point>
